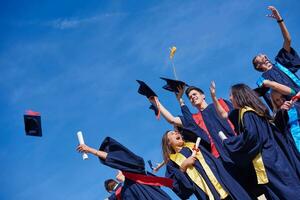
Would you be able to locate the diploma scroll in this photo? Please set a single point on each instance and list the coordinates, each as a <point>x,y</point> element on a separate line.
<point>81,141</point>
<point>222,135</point>
<point>196,146</point>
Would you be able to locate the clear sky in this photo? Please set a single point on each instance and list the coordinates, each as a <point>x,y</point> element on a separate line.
<point>76,62</point>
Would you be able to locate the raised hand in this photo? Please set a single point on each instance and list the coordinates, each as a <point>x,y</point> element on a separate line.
<point>286,105</point>
<point>83,148</point>
<point>275,14</point>
<point>212,89</point>
<point>190,161</point>
<point>120,177</point>
<point>180,93</point>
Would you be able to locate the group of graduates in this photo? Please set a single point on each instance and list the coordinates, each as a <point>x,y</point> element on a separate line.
<point>244,152</point>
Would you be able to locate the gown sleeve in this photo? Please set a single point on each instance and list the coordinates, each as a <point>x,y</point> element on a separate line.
<point>182,186</point>
<point>244,147</point>
<point>290,60</point>
<point>119,157</point>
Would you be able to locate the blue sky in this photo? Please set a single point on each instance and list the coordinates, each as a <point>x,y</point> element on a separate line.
<point>76,62</point>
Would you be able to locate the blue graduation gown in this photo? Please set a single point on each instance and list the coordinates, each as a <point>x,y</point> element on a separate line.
<point>245,176</point>
<point>214,123</point>
<point>289,60</point>
<point>287,134</point>
<point>257,137</point>
<point>119,157</point>
<point>184,187</point>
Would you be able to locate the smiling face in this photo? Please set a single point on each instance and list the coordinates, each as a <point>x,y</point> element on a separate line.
<point>175,139</point>
<point>262,63</point>
<point>196,98</point>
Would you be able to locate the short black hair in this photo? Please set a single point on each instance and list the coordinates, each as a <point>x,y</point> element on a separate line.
<point>107,184</point>
<point>189,89</point>
<point>255,64</point>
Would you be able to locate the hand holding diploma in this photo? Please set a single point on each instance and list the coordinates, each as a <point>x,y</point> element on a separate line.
<point>81,142</point>
<point>196,149</point>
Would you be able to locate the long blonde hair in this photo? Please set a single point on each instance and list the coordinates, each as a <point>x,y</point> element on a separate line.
<point>166,147</point>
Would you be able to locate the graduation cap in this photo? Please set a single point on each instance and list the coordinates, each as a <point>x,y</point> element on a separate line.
<point>32,122</point>
<point>145,90</point>
<point>173,84</point>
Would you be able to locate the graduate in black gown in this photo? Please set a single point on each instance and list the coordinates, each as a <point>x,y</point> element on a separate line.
<point>255,145</point>
<point>138,184</point>
<point>286,65</point>
<point>201,174</point>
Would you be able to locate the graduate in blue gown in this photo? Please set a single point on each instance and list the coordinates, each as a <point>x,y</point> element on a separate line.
<point>201,174</point>
<point>209,123</point>
<point>207,119</point>
<point>138,184</point>
<point>286,65</point>
<point>255,145</point>
<point>287,121</point>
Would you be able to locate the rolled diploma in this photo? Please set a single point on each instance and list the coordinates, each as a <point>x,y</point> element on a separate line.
<point>222,135</point>
<point>81,141</point>
<point>197,145</point>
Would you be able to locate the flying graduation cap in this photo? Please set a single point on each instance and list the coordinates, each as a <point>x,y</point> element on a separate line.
<point>33,126</point>
<point>145,90</point>
<point>173,84</point>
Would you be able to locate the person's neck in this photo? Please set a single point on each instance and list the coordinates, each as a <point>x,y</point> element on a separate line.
<point>202,106</point>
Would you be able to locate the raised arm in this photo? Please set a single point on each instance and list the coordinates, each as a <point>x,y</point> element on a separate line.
<point>285,33</point>
<point>83,148</point>
<point>166,114</point>
<point>220,110</point>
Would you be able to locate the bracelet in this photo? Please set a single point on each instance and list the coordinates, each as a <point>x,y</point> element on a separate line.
<point>181,101</point>
<point>279,21</point>
<point>293,92</point>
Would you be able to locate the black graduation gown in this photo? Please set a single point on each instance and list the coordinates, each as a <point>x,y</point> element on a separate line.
<point>257,137</point>
<point>119,157</point>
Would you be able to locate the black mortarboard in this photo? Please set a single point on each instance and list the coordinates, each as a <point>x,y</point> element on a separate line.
<point>173,84</point>
<point>32,122</point>
<point>145,90</point>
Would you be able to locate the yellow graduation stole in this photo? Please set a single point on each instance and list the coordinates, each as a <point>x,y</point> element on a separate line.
<point>196,177</point>
<point>257,162</point>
